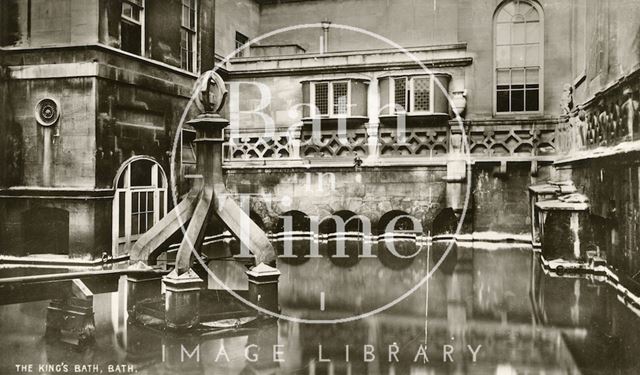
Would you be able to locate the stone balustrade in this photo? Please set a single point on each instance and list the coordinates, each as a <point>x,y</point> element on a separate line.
<point>383,145</point>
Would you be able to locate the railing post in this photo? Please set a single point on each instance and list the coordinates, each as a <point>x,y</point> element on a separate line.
<point>373,126</point>
<point>295,135</point>
<point>456,172</point>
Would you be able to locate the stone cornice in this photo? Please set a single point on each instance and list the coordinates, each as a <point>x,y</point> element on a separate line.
<point>96,60</point>
<point>451,55</point>
<point>27,192</point>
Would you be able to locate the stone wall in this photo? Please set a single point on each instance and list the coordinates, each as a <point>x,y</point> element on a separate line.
<point>612,185</point>
<point>36,225</point>
<point>499,199</point>
<point>406,22</point>
<point>369,192</point>
<point>50,22</point>
<point>610,43</point>
<point>72,142</point>
<point>411,24</point>
<point>242,16</point>
<point>498,203</point>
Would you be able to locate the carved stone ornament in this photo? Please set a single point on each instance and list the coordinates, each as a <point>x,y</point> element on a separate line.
<point>47,112</point>
<point>212,93</point>
<point>566,101</point>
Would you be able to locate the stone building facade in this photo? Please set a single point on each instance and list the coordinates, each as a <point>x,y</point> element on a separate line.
<point>92,92</point>
<point>598,137</point>
<point>503,64</point>
<point>515,69</point>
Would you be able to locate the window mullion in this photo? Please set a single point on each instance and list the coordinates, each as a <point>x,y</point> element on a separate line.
<point>431,88</point>
<point>510,87</point>
<point>411,94</point>
<point>348,98</point>
<point>312,99</point>
<point>330,99</point>
<point>127,216</point>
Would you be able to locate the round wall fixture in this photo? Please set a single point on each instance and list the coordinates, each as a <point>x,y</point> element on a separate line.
<point>47,112</point>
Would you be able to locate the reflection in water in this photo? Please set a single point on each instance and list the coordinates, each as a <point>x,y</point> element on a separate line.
<point>497,307</point>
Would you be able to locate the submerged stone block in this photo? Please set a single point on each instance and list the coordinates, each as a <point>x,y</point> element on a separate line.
<point>141,287</point>
<point>71,320</point>
<point>182,299</point>
<point>263,287</point>
<point>544,192</point>
<point>566,229</point>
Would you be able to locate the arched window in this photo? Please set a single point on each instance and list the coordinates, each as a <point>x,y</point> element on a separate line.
<point>140,201</point>
<point>519,37</point>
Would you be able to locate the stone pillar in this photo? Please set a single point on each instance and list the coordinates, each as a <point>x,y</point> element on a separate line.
<point>541,193</point>
<point>141,286</point>
<point>295,134</point>
<point>566,230</point>
<point>263,286</point>
<point>373,111</point>
<point>456,174</point>
<point>182,299</point>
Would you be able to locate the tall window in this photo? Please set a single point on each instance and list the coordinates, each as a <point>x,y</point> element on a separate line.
<point>132,26</point>
<point>140,201</point>
<point>188,35</point>
<point>518,57</point>
<point>412,94</point>
<point>241,40</point>
<point>331,98</point>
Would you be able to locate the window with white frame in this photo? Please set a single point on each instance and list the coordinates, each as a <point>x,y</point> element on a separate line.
<point>412,94</point>
<point>140,200</point>
<point>188,35</point>
<point>132,26</point>
<point>518,57</point>
<point>240,41</point>
<point>331,98</point>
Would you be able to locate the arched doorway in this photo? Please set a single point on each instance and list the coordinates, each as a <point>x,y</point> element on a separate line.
<point>139,202</point>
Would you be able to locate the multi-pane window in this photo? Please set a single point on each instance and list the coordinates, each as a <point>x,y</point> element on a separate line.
<point>140,201</point>
<point>132,26</point>
<point>330,98</point>
<point>322,98</point>
<point>518,57</point>
<point>421,94</point>
<point>340,98</point>
<point>141,211</point>
<point>241,40</point>
<point>188,35</point>
<point>412,94</point>
<point>400,94</point>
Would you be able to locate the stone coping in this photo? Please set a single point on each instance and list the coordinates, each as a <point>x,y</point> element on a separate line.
<point>557,205</point>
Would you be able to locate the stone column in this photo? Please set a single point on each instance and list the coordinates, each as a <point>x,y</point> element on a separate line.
<point>182,299</point>
<point>373,111</point>
<point>263,286</point>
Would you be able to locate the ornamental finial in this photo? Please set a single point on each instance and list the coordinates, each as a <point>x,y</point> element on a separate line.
<point>212,93</point>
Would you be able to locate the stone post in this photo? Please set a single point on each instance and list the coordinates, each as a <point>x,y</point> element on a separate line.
<point>182,299</point>
<point>456,173</point>
<point>263,286</point>
<point>140,287</point>
<point>295,134</point>
<point>373,110</point>
<point>565,227</point>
